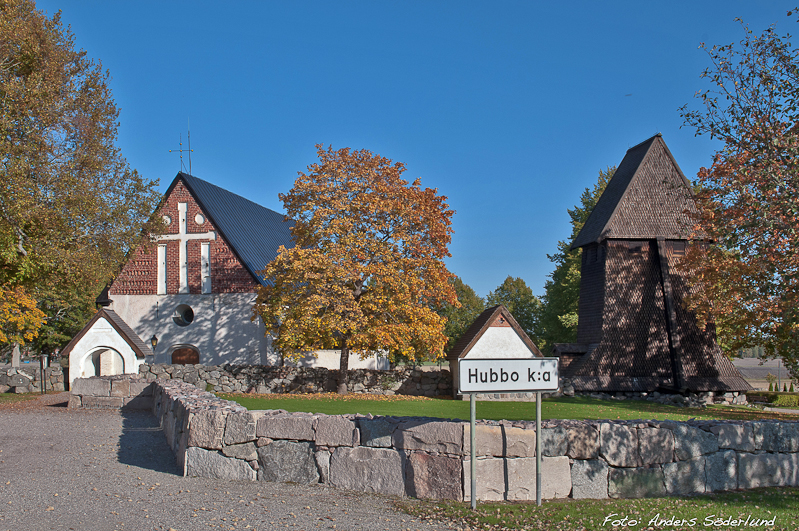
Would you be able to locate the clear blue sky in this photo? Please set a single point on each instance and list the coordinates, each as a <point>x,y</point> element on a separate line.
<point>509,108</point>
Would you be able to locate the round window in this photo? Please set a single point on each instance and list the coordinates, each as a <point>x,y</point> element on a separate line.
<point>184,315</point>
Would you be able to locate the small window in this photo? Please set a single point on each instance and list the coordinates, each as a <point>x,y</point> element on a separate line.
<point>184,315</point>
<point>678,249</point>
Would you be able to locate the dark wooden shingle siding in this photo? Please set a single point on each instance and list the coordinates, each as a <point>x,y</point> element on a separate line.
<point>631,315</point>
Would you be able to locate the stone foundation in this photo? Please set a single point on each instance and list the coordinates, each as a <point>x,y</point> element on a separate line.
<point>430,458</point>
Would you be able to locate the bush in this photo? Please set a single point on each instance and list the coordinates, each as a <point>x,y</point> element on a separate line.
<point>770,387</point>
<point>786,401</point>
<point>790,389</point>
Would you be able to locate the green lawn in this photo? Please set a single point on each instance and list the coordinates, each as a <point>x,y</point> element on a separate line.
<point>13,398</point>
<point>704,512</point>
<point>552,408</point>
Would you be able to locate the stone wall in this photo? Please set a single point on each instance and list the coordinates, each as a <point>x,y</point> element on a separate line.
<point>430,458</point>
<point>27,379</point>
<point>263,379</point>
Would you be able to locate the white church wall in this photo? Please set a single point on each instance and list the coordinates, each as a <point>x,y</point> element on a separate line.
<point>500,342</point>
<point>220,330</point>
<point>330,359</point>
<point>102,345</point>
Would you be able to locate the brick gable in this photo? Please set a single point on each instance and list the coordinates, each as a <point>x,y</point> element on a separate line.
<point>228,274</point>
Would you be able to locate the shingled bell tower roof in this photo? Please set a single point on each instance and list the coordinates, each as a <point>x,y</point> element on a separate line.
<point>647,198</point>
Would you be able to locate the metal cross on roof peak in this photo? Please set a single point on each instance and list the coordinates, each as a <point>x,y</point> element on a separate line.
<point>181,150</point>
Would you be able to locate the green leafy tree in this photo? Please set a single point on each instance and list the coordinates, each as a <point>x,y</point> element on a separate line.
<point>557,321</point>
<point>460,317</point>
<point>70,206</point>
<point>747,281</point>
<point>518,298</point>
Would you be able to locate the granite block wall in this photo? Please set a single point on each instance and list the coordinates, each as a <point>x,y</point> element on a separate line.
<point>263,379</point>
<point>28,379</point>
<point>430,458</point>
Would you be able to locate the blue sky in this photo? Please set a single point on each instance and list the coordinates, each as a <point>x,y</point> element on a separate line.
<point>509,108</point>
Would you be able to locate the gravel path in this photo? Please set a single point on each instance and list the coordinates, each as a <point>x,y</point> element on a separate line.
<point>103,470</point>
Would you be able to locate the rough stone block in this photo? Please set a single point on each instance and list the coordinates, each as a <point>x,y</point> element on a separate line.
<point>286,461</point>
<point>618,445</point>
<point>376,432</point>
<point>721,470</point>
<point>292,427</point>
<point>120,387</point>
<point>776,436</point>
<point>239,428</point>
<point>590,479</point>
<point>488,440</point>
<point>141,388</point>
<point>322,458</point>
<point>430,435</point>
<point>336,431</point>
<point>655,445</point>
<point>518,442</point>
<point>103,402</point>
<point>246,451</point>
<point>491,485</point>
<point>433,476</point>
<point>735,437</point>
<point>137,402</point>
<point>690,442</point>
<point>759,470</point>
<point>209,464</point>
<point>521,474</point>
<point>583,442</point>
<point>685,478</point>
<point>207,429</point>
<point>91,387</point>
<point>790,437</point>
<point>556,479</point>
<point>367,470</point>
<point>636,482</point>
<point>75,402</point>
<point>57,387</point>
<point>554,442</point>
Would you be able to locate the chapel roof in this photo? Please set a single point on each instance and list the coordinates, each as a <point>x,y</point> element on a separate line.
<point>647,198</point>
<point>254,233</point>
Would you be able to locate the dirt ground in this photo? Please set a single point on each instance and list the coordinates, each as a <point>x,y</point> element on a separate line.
<point>63,469</point>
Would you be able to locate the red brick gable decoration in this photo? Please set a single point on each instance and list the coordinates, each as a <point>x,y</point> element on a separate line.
<point>139,276</point>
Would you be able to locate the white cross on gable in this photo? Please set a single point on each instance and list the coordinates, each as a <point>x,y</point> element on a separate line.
<point>183,237</point>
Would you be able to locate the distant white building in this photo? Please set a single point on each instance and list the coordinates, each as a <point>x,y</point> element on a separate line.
<point>495,334</point>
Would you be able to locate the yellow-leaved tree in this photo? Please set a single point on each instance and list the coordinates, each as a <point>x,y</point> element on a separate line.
<point>367,268</point>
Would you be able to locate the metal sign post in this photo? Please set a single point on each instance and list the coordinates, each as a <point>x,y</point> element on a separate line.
<point>472,445</point>
<point>517,375</point>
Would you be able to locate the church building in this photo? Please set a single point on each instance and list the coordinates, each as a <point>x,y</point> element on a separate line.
<point>190,294</point>
<point>633,333</point>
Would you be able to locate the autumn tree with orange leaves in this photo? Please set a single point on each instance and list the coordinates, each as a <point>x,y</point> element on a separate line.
<point>367,269</point>
<point>747,281</point>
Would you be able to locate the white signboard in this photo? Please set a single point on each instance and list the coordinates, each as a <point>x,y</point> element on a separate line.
<point>507,375</point>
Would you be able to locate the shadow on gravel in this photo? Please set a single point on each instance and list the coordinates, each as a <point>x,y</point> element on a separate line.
<point>143,444</point>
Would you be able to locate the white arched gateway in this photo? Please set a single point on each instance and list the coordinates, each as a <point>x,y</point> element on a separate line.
<point>105,347</point>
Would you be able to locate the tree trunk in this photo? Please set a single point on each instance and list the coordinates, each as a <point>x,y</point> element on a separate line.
<point>343,368</point>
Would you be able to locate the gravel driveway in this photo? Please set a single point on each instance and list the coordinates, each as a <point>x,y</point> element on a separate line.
<point>103,470</point>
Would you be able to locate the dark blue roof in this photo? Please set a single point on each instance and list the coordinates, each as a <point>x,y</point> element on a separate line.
<point>253,232</point>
